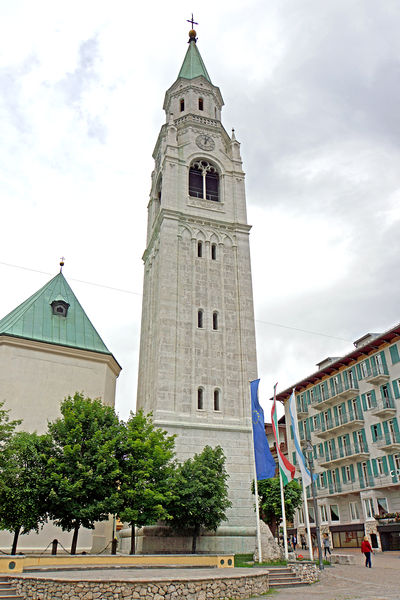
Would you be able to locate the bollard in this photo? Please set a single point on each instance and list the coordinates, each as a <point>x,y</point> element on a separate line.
<point>54,547</point>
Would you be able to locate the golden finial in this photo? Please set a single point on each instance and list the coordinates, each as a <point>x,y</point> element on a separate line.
<point>192,32</point>
<point>62,259</point>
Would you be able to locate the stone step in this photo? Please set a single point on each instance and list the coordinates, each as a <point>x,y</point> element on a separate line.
<point>9,591</point>
<point>288,585</point>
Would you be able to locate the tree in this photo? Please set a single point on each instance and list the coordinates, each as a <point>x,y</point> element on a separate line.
<point>146,472</point>
<point>23,484</point>
<point>85,467</point>
<point>269,495</point>
<point>6,426</point>
<point>201,493</point>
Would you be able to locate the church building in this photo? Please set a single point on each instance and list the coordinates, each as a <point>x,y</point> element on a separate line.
<point>198,349</point>
<point>49,350</point>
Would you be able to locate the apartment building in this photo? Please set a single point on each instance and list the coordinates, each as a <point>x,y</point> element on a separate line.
<point>350,411</point>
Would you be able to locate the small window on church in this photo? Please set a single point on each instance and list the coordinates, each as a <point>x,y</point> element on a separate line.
<point>182,104</point>
<point>199,249</point>
<point>214,251</point>
<point>201,104</point>
<point>217,397</point>
<point>215,321</point>
<point>200,399</point>
<point>60,308</point>
<point>200,319</point>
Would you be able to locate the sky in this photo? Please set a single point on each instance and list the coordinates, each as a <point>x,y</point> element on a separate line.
<point>312,89</point>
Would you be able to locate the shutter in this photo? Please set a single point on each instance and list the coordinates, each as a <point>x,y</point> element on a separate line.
<point>392,468</point>
<point>385,465</point>
<point>359,375</point>
<point>360,475</point>
<point>332,387</point>
<point>364,437</point>
<point>329,478</point>
<point>346,380</point>
<point>364,402</point>
<point>352,473</point>
<point>373,397</point>
<point>344,475</point>
<point>324,478</point>
<point>374,467</point>
<point>373,433</point>
<point>340,444</point>
<point>315,451</point>
<point>369,469</point>
<point>383,357</point>
<point>394,354</point>
<point>396,388</point>
<point>396,425</point>
<point>379,428</point>
<point>294,458</point>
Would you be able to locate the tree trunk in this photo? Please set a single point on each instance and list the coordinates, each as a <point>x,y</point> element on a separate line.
<point>133,540</point>
<point>15,541</point>
<point>196,533</point>
<point>75,537</point>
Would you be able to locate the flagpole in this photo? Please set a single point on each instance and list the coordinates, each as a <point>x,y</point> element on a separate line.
<point>307,520</point>
<point>284,517</point>
<point>256,491</point>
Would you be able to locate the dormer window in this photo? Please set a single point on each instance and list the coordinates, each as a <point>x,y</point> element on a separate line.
<point>59,308</point>
<point>182,104</point>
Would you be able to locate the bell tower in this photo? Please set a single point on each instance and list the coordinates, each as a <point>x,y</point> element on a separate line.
<point>197,347</point>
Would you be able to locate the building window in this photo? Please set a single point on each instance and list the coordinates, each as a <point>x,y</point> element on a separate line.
<point>324,513</point>
<point>203,181</point>
<point>396,458</point>
<point>217,397</point>
<point>199,249</point>
<point>347,473</point>
<point>334,509</point>
<point>382,506</point>
<point>182,104</point>
<point>301,515</point>
<point>213,251</point>
<point>369,508</point>
<point>201,107</point>
<point>215,321</point>
<point>311,514</point>
<point>380,466</point>
<point>200,399</point>
<point>200,319</point>
<point>364,369</point>
<point>369,400</point>
<point>354,513</point>
<point>322,391</point>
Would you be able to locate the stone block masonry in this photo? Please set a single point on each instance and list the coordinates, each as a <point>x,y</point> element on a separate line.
<point>211,588</point>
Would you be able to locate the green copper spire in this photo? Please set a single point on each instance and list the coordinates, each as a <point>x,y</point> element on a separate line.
<point>193,65</point>
<point>53,315</point>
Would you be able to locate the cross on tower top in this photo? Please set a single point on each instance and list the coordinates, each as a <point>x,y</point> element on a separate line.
<point>192,21</point>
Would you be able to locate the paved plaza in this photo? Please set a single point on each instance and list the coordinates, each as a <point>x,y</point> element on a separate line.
<point>352,582</point>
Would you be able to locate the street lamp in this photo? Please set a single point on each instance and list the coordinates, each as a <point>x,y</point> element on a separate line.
<point>309,449</point>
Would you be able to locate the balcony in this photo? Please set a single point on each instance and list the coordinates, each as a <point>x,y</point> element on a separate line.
<point>352,487</point>
<point>384,408</point>
<point>341,393</point>
<point>390,442</point>
<point>342,424</point>
<point>345,455</point>
<point>378,376</point>
<point>302,411</point>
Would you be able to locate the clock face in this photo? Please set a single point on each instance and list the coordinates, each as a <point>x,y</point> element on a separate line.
<point>205,142</point>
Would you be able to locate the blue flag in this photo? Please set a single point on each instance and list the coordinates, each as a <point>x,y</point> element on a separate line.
<point>265,464</point>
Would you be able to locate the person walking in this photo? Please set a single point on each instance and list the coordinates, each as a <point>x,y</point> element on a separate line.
<point>294,542</point>
<point>327,546</point>
<point>303,542</point>
<point>366,550</point>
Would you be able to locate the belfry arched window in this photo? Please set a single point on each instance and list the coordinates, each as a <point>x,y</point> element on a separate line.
<point>200,398</point>
<point>217,399</point>
<point>203,181</point>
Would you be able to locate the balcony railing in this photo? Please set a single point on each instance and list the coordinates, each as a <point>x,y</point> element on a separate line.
<point>356,486</point>
<point>344,455</point>
<point>384,408</point>
<point>340,392</point>
<point>390,442</point>
<point>353,419</point>
<point>378,374</point>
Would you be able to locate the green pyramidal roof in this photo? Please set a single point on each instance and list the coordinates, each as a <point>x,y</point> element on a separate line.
<point>193,65</point>
<point>34,319</point>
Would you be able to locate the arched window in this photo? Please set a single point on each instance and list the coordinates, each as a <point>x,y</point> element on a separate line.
<point>217,398</point>
<point>199,249</point>
<point>201,107</point>
<point>200,319</point>
<point>200,399</point>
<point>214,251</point>
<point>203,181</point>
<point>215,320</point>
<point>182,104</point>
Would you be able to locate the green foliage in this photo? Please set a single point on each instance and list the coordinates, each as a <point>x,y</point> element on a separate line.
<point>84,468</point>
<point>201,493</point>
<point>6,426</point>
<point>269,494</point>
<point>146,464</point>
<point>23,483</point>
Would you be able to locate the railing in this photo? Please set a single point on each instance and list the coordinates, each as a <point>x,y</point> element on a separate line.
<point>326,397</point>
<point>388,439</point>
<point>344,452</point>
<point>355,486</point>
<point>339,420</point>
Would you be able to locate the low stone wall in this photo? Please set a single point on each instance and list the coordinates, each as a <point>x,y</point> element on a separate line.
<point>342,559</point>
<point>214,588</point>
<point>308,571</point>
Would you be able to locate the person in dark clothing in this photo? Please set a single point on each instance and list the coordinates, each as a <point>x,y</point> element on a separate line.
<point>327,547</point>
<point>366,550</point>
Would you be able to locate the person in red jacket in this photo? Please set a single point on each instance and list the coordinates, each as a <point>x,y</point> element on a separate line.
<point>366,549</point>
